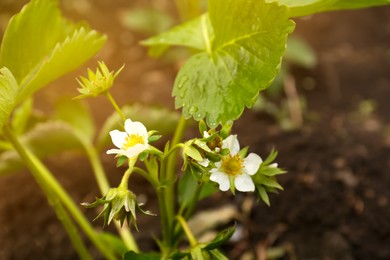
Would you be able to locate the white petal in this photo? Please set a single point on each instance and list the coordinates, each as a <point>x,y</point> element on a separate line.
<point>135,150</point>
<point>135,128</point>
<point>205,134</point>
<point>118,138</point>
<point>252,163</point>
<point>205,162</point>
<point>273,165</point>
<point>222,179</point>
<point>244,183</point>
<point>232,143</point>
<point>115,151</point>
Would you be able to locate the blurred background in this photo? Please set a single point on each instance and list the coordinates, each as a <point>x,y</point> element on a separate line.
<point>328,115</point>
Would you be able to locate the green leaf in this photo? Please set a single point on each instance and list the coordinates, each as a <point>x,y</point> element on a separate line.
<point>76,114</point>
<point>308,7</point>
<point>242,59</point>
<point>39,45</point>
<point>45,139</point>
<point>356,4</point>
<point>146,20</point>
<point>8,92</point>
<point>300,53</point>
<point>221,238</point>
<point>141,256</point>
<point>21,116</point>
<point>196,34</point>
<point>187,188</point>
<point>113,242</point>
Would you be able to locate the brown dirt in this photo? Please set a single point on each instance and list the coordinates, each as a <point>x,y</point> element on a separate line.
<point>336,199</point>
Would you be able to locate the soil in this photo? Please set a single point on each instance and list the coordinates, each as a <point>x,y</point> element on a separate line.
<point>335,203</point>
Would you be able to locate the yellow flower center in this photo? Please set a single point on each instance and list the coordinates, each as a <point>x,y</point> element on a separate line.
<point>232,165</point>
<point>132,140</point>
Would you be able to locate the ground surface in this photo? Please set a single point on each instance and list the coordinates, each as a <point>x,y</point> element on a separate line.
<point>336,199</point>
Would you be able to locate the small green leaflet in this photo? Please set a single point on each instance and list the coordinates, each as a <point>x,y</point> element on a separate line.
<point>8,92</point>
<point>39,45</point>
<point>307,7</point>
<point>241,43</point>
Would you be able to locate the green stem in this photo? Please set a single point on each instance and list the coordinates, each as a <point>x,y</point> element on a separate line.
<point>104,186</point>
<point>170,175</point>
<point>165,224</point>
<point>115,105</point>
<point>98,169</point>
<point>129,171</point>
<point>68,224</point>
<point>190,209</point>
<point>187,231</point>
<point>147,176</point>
<point>45,179</point>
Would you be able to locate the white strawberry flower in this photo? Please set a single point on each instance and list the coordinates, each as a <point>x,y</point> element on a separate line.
<point>235,170</point>
<point>132,142</point>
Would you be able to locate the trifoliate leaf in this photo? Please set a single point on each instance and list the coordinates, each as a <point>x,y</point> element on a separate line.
<point>8,92</point>
<point>240,60</point>
<point>39,45</point>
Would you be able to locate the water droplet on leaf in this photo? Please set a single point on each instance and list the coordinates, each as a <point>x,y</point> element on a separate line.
<point>193,110</point>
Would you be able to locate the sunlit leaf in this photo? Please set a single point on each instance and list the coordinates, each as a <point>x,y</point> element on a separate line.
<point>146,20</point>
<point>39,45</point>
<point>308,7</point>
<point>76,114</point>
<point>21,116</point>
<point>243,58</point>
<point>196,34</point>
<point>8,92</point>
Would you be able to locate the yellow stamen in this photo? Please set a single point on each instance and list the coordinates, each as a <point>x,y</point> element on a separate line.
<point>232,165</point>
<point>132,140</point>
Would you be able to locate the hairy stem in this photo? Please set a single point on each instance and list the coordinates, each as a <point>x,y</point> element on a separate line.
<point>170,176</point>
<point>115,105</point>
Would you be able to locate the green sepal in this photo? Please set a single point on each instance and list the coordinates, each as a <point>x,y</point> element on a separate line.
<point>154,138</point>
<point>263,194</point>
<point>202,127</point>
<point>192,152</point>
<point>243,152</point>
<point>121,160</point>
